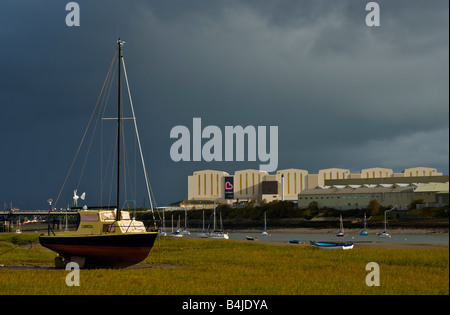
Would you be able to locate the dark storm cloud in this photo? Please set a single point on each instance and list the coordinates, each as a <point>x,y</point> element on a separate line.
<point>338,90</point>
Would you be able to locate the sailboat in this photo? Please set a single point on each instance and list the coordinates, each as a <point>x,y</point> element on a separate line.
<point>385,234</point>
<point>185,230</point>
<point>18,226</point>
<point>364,231</point>
<point>341,230</point>
<point>163,232</point>
<point>178,232</point>
<point>265,232</point>
<point>204,233</point>
<point>218,234</point>
<point>105,237</point>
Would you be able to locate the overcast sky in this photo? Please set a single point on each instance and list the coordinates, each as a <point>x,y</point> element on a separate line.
<point>341,93</point>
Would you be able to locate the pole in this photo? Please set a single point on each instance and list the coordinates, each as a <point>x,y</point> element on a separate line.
<point>119,114</point>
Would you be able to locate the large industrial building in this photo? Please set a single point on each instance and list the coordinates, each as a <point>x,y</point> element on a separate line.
<point>329,187</point>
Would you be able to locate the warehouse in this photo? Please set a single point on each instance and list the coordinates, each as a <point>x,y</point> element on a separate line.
<point>345,197</point>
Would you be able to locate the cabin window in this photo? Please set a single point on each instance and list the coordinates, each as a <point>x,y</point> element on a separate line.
<point>107,216</point>
<point>89,217</point>
<point>109,228</point>
<point>125,215</point>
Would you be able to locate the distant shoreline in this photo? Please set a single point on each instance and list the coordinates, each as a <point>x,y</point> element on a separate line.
<point>405,231</point>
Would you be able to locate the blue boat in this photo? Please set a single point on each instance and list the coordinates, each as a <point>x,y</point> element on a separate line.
<point>364,232</point>
<point>331,245</point>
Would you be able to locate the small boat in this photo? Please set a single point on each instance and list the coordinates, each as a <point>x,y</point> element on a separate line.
<point>251,238</point>
<point>204,233</point>
<point>364,231</point>
<point>18,226</point>
<point>163,232</point>
<point>294,241</point>
<point>178,232</point>
<point>185,230</point>
<point>218,234</point>
<point>385,234</point>
<point>331,245</point>
<point>265,232</point>
<point>341,230</point>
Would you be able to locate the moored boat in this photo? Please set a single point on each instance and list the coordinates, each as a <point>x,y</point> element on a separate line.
<point>364,231</point>
<point>218,234</point>
<point>341,230</point>
<point>265,232</point>
<point>102,241</point>
<point>332,245</point>
<point>385,233</point>
<point>105,237</point>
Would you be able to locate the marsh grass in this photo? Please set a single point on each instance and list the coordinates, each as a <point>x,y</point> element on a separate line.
<point>221,267</point>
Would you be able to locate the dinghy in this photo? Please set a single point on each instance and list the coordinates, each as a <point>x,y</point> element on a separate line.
<point>331,245</point>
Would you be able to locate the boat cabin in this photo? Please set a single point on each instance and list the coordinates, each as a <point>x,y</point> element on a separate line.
<point>104,222</point>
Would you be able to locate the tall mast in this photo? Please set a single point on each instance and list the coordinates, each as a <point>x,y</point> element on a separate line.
<point>119,118</point>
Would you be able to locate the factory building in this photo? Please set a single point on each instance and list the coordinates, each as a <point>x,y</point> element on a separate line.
<point>325,186</point>
<point>344,197</point>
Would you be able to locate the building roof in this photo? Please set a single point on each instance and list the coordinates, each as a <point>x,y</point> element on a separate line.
<point>358,189</point>
<point>433,187</point>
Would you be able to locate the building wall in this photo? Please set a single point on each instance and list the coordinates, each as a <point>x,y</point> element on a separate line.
<point>247,184</point>
<point>420,171</point>
<point>344,197</point>
<point>332,173</point>
<point>388,180</point>
<point>356,200</point>
<point>206,185</point>
<point>295,181</point>
<point>376,172</point>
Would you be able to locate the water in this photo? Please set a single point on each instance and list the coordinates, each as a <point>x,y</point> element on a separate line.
<point>324,237</point>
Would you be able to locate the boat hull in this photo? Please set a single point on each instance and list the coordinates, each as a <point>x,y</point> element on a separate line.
<point>329,245</point>
<point>105,250</point>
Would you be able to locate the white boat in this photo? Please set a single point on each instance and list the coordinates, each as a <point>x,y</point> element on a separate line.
<point>178,232</point>
<point>204,233</point>
<point>265,232</point>
<point>185,230</point>
<point>163,232</point>
<point>364,231</point>
<point>18,226</point>
<point>218,234</point>
<point>341,230</point>
<point>385,234</point>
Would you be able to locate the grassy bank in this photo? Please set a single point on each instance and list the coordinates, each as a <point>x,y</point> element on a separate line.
<point>189,266</point>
